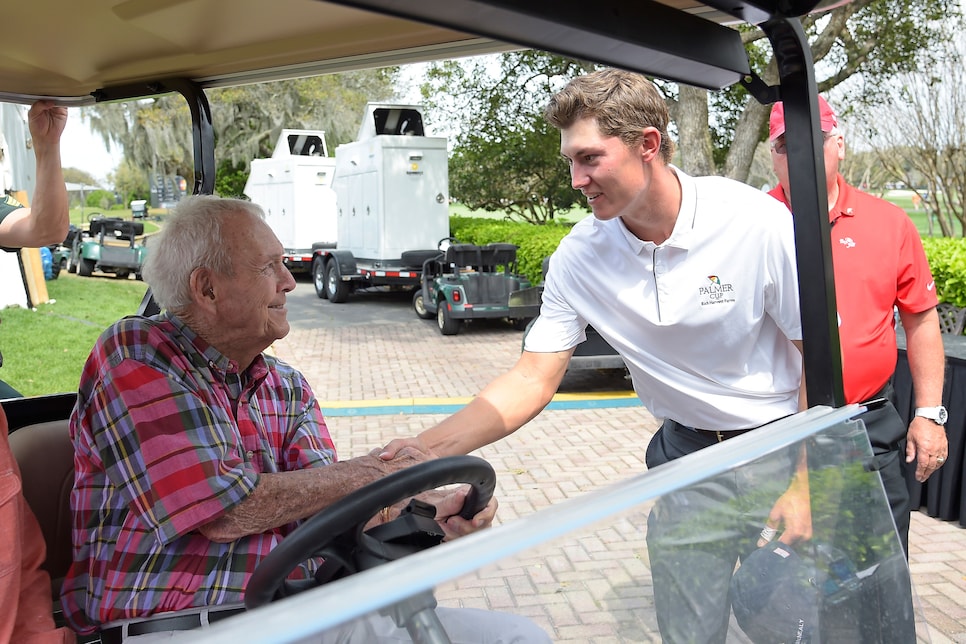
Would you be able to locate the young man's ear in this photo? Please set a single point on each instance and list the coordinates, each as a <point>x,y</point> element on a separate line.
<point>650,144</point>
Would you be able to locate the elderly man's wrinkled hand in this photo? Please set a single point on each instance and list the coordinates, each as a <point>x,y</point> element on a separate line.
<point>448,506</point>
<point>402,458</point>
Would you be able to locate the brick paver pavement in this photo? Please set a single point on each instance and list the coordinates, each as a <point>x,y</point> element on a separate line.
<point>589,587</point>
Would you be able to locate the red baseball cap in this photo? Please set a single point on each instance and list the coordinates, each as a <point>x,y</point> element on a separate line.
<point>776,122</point>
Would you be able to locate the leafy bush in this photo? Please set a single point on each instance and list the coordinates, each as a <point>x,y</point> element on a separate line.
<point>535,242</point>
<point>947,259</point>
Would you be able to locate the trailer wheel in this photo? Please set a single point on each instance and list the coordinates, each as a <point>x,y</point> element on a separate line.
<point>419,305</point>
<point>335,288</point>
<point>318,277</point>
<point>86,267</point>
<point>448,325</point>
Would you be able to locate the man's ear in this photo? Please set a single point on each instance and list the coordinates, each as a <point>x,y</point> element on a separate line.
<point>201,286</point>
<point>650,144</point>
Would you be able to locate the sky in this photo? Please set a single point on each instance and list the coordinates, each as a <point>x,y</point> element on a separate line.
<point>81,149</point>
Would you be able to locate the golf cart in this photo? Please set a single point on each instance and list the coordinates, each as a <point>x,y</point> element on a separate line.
<point>467,282</point>
<point>683,40</point>
<point>110,246</point>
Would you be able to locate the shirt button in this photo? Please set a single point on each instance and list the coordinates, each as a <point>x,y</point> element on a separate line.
<point>249,454</point>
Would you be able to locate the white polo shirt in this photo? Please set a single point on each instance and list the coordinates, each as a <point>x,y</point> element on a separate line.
<point>703,320</point>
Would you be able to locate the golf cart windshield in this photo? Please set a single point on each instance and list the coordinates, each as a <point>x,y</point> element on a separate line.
<point>582,565</point>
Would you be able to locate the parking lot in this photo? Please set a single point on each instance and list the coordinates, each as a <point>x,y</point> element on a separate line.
<point>380,372</point>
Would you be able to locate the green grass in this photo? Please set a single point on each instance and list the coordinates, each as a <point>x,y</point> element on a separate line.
<point>44,350</point>
<point>903,199</point>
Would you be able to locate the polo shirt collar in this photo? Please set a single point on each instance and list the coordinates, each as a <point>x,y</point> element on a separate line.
<point>683,225</point>
<point>844,204</point>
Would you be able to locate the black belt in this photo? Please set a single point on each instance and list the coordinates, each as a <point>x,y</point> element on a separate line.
<point>719,435</point>
<point>115,634</point>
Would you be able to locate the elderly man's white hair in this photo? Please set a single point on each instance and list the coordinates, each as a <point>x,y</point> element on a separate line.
<point>191,238</point>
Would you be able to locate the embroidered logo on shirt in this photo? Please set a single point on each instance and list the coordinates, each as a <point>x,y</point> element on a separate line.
<point>930,286</point>
<point>847,242</point>
<point>716,292</point>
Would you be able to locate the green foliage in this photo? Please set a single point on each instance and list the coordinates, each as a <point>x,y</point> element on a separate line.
<point>102,199</point>
<point>230,179</point>
<point>506,157</point>
<point>44,350</point>
<point>947,259</point>
<point>155,134</point>
<point>535,242</point>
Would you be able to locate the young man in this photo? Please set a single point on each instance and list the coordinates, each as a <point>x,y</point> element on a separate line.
<point>879,266</point>
<point>26,612</point>
<point>196,454</point>
<point>710,332</point>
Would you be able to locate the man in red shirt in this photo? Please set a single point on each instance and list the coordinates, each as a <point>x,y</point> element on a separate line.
<point>879,264</point>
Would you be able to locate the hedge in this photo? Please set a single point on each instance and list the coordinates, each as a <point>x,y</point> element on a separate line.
<point>946,255</point>
<point>947,259</point>
<point>535,242</point>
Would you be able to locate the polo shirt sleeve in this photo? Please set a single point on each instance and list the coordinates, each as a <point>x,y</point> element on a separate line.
<point>558,327</point>
<point>782,301</point>
<point>915,288</point>
<point>163,446</point>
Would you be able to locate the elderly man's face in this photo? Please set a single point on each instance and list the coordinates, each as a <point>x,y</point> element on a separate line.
<point>251,311</point>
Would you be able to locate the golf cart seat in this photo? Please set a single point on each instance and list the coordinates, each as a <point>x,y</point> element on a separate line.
<point>117,228</point>
<point>495,255</point>
<point>45,456</point>
<point>464,256</point>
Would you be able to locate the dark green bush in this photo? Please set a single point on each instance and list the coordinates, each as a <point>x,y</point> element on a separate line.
<point>535,242</point>
<point>947,259</point>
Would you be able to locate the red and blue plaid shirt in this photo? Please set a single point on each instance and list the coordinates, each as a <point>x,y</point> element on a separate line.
<point>169,435</point>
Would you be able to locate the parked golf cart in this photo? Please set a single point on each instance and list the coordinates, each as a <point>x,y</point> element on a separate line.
<point>110,245</point>
<point>466,282</point>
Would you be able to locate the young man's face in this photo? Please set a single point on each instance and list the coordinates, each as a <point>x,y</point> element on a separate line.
<point>610,174</point>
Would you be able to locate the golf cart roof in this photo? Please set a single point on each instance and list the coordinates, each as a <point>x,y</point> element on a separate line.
<point>110,49</point>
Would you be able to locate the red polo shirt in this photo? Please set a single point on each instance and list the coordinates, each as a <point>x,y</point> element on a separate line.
<point>878,262</point>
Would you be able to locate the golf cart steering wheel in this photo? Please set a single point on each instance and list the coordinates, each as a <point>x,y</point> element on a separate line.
<point>337,534</point>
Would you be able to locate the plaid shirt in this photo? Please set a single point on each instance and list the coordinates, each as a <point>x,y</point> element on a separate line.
<point>168,436</point>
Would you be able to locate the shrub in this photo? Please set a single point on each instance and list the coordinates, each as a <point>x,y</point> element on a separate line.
<point>947,259</point>
<point>535,242</point>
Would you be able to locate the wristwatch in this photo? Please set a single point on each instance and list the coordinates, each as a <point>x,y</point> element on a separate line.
<point>937,415</point>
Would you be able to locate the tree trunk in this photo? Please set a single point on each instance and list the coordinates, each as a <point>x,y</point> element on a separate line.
<point>694,137</point>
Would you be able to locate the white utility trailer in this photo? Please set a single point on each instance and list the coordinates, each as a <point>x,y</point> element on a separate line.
<point>294,186</point>
<point>392,191</point>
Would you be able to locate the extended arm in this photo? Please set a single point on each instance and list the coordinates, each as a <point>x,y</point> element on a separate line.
<point>505,405</point>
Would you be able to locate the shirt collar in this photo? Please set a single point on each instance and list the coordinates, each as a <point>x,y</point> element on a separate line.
<point>683,225</point>
<point>844,203</point>
<point>204,354</point>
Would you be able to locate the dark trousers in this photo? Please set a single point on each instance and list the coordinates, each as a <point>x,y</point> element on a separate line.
<point>695,536</point>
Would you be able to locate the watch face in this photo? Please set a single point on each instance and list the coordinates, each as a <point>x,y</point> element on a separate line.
<point>941,416</point>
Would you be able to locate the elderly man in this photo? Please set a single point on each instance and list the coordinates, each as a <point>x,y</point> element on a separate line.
<point>196,454</point>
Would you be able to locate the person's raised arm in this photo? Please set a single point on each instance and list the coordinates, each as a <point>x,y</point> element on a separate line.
<point>505,405</point>
<point>46,220</point>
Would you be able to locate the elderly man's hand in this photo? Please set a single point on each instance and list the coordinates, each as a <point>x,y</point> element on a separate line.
<point>448,505</point>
